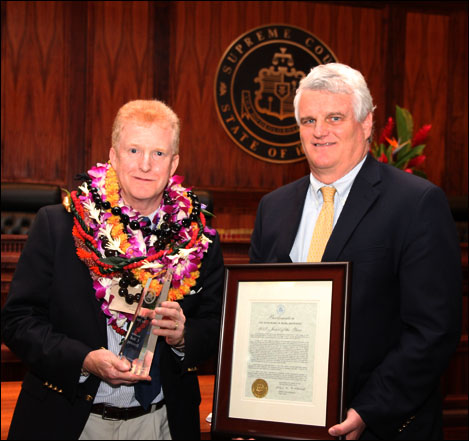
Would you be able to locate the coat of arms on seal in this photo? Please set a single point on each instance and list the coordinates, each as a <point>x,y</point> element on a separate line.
<point>255,84</point>
<point>259,388</point>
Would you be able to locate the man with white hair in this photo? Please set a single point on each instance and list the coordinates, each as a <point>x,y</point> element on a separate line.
<point>398,232</point>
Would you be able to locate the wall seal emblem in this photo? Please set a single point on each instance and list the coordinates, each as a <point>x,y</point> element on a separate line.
<point>255,84</point>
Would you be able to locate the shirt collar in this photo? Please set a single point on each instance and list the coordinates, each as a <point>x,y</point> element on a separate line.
<point>150,216</point>
<point>342,185</point>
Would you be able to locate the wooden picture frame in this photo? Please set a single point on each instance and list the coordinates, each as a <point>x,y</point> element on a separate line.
<point>282,354</point>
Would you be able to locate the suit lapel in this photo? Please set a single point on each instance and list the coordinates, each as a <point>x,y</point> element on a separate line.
<point>361,197</point>
<point>96,321</point>
<point>292,210</point>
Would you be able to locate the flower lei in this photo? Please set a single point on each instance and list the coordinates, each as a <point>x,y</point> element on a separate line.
<point>118,248</point>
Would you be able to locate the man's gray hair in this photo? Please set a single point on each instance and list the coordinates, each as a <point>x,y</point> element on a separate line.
<point>338,78</point>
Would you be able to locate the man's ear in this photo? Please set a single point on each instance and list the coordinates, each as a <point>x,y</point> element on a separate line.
<point>112,156</point>
<point>174,164</point>
<point>367,125</point>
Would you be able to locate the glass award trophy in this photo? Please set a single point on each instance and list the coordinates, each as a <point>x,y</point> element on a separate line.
<point>139,343</point>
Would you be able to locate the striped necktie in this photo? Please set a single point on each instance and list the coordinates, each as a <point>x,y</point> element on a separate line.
<point>323,227</point>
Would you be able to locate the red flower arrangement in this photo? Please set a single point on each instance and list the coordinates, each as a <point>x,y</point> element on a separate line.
<point>405,152</point>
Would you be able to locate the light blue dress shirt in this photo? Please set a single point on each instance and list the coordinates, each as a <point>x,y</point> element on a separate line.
<point>123,395</point>
<point>312,208</point>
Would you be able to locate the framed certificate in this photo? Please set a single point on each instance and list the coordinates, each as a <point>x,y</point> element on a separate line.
<point>282,354</point>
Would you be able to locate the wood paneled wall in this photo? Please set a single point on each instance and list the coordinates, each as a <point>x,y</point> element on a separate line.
<point>68,66</point>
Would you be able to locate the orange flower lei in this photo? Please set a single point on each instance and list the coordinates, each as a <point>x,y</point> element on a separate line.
<point>99,228</point>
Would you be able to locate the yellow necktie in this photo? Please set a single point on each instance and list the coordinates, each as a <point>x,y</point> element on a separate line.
<point>323,227</point>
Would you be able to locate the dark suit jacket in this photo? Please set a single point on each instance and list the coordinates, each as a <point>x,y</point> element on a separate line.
<point>406,297</point>
<point>52,319</point>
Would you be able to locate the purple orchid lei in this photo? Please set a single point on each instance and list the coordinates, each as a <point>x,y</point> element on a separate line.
<point>134,250</point>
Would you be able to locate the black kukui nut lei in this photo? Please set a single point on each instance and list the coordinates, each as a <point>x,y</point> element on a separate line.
<point>167,231</point>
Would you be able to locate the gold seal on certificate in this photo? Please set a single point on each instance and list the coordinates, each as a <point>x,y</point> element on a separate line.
<point>259,388</point>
